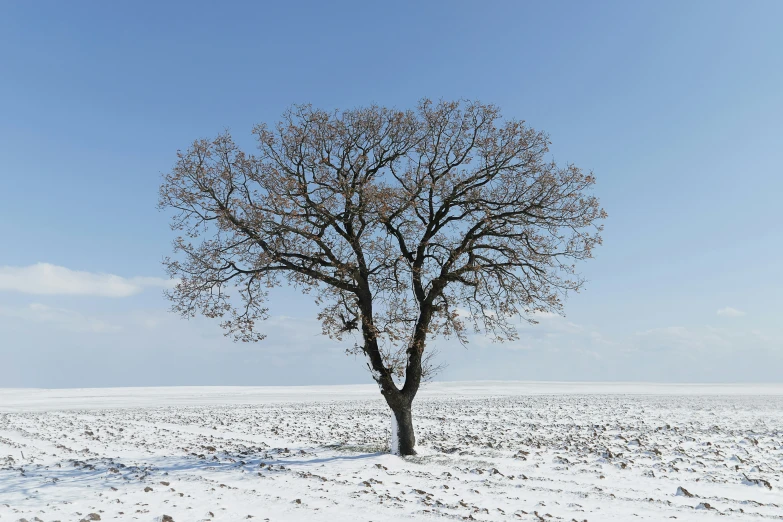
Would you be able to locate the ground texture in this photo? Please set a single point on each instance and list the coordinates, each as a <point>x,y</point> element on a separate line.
<point>486,454</point>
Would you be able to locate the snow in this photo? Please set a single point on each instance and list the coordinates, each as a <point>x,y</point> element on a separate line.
<point>394,435</point>
<point>487,450</point>
<point>36,399</point>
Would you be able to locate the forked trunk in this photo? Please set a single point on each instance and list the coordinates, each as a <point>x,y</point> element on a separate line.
<point>403,440</point>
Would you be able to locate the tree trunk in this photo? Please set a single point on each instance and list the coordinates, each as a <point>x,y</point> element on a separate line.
<point>403,440</point>
<point>400,402</point>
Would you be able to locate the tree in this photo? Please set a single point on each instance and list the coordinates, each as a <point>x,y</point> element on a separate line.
<point>405,225</point>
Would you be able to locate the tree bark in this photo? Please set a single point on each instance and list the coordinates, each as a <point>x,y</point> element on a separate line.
<point>406,439</point>
<point>399,400</point>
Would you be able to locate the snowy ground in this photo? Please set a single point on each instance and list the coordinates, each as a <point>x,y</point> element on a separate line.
<point>488,451</point>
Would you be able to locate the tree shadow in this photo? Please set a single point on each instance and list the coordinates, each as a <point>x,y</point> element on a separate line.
<point>31,480</point>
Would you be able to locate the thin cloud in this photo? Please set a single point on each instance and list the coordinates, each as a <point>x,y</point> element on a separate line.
<point>730,312</point>
<point>48,279</point>
<point>60,318</point>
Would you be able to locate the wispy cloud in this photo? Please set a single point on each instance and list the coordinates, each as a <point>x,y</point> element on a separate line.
<point>730,312</point>
<point>553,333</point>
<point>60,318</point>
<point>48,279</point>
<point>681,338</point>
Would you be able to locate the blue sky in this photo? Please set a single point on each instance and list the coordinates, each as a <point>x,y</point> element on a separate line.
<point>677,107</point>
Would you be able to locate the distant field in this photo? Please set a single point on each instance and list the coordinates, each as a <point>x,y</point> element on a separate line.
<point>488,451</point>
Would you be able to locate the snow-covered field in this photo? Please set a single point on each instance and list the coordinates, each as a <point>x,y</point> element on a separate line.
<point>488,451</point>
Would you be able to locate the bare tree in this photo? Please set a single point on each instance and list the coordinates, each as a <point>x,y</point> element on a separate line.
<point>405,225</point>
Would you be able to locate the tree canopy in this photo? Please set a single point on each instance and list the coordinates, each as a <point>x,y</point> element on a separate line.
<point>405,225</point>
